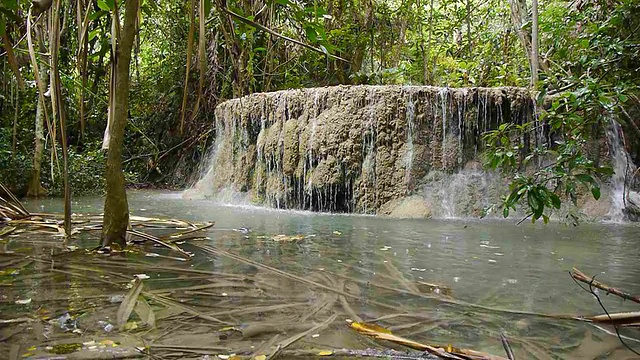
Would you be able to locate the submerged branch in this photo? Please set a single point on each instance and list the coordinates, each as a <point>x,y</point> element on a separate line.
<point>591,281</point>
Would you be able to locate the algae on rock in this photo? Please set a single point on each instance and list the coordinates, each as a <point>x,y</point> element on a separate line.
<point>351,148</point>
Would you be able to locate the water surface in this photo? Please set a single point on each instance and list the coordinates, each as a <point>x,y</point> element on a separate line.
<point>487,262</point>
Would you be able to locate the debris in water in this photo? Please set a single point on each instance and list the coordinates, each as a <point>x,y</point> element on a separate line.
<point>66,322</point>
<point>116,299</point>
<point>284,238</point>
<point>24,301</point>
<point>489,246</point>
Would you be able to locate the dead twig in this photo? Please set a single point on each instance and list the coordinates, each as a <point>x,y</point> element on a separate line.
<point>591,281</point>
<point>592,292</point>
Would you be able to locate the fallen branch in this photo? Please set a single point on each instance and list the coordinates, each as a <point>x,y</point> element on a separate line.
<point>591,281</point>
<point>593,292</point>
<point>281,346</point>
<point>372,353</point>
<point>448,352</point>
<point>159,242</point>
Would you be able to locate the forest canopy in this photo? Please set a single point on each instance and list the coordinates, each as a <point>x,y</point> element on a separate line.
<point>580,58</point>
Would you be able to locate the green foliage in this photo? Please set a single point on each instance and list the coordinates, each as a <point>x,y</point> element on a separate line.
<point>16,168</point>
<point>593,50</point>
<point>590,61</point>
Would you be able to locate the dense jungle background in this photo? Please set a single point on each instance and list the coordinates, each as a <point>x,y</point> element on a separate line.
<point>188,56</point>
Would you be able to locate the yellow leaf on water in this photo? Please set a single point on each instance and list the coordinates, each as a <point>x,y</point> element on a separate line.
<point>364,327</point>
<point>325,353</point>
<point>131,325</point>
<point>260,357</point>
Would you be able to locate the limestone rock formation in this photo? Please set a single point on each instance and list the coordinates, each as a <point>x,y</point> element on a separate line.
<point>351,148</point>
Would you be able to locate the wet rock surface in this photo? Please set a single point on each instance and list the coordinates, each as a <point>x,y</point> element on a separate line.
<point>351,148</point>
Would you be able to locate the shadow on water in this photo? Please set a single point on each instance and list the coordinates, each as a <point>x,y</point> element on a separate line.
<point>416,278</point>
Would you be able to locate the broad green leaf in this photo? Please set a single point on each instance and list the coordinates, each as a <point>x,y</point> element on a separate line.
<point>93,33</point>
<point>585,178</point>
<point>97,14</point>
<point>312,35</point>
<point>555,200</point>
<point>595,191</point>
<point>207,7</point>
<point>102,4</point>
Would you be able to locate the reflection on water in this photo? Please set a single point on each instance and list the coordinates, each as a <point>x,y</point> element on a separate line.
<point>495,264</point>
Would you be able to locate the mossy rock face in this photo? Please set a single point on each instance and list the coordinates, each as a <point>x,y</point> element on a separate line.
<point>358,145</point>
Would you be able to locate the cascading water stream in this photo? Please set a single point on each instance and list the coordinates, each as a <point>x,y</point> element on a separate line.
<point>366,148</point>
<point>621,167</point>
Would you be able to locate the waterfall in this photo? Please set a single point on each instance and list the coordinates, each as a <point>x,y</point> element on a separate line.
<point>621,167</point>
<point>367,149</point>
<point>410,116</point>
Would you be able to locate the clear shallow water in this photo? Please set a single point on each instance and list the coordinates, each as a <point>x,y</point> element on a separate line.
<point>492,263</point>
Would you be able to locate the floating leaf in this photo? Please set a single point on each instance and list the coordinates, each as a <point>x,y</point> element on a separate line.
<point>23,301</point>
<point>260,357</point>
<point>325,353</point>
<point>131,325</point>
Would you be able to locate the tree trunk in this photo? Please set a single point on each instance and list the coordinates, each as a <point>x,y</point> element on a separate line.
<point>535,58</point>
<point>13,62</point>
<point>35,186</point>
<point>58,108</point>
<point>519,17</point>
<point>116,208</point>
<point>185,93</point>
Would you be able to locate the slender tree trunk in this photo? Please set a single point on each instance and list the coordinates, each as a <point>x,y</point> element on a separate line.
<point>469,26</point>
<point>115,34</point>
<point>535,58</point>
<point>41,81</point>
<point>35,186</point>
<point>185,94</point>
<point>83,45</point>
<point>58,106</point>
<point>202,56</point>
<point>116,208</point>
<point>519,17</point>
<point>16,108</point>
<point>11,58</point>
